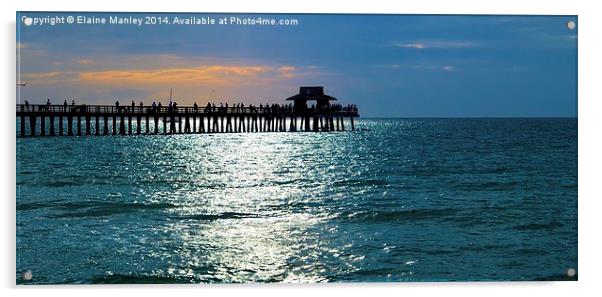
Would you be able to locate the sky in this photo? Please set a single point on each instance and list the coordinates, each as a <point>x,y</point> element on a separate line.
<point>388,65</point>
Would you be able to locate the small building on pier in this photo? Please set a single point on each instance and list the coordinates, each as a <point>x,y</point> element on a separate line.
<point>308,94</point>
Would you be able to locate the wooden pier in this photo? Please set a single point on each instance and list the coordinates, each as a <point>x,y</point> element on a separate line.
<point>71,120</point>
<point>60,120</point>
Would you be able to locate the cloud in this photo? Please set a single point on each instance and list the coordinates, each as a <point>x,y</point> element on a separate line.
<point>287,71</point>
<point>215,74</point>
<point>419,67</point>
<point>411,45</point>
<point>85,62</point>
<point>201,75</point>
<point>436,44</point>
<point>52,77</point>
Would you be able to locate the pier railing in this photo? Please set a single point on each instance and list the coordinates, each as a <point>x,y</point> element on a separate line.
<point>183,110</point>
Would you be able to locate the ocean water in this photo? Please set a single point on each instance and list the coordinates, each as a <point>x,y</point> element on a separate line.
<point>397,200</point>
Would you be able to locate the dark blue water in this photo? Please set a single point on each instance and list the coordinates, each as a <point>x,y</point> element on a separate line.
<point>398,200</point>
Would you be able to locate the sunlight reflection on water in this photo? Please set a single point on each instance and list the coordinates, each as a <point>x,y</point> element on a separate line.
<point>397,200</point>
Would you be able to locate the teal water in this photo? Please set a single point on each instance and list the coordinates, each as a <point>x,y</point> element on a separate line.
<point>397,200</point>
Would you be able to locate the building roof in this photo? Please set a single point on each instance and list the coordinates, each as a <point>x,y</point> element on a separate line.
<point>311,93</point>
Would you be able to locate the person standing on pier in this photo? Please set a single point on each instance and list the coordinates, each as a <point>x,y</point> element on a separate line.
<point>195,107</point>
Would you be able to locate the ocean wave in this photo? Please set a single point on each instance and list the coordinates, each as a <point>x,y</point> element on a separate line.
<point>141,279</point>
<point>397,215</point>
<point>220,216</point>
<point>539,226</point>
<point>101,209</point>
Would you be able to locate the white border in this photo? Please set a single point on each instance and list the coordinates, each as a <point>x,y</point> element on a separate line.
<point>590,53</point>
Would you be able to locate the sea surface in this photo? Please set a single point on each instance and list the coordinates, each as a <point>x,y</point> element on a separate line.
<point>396,200</point>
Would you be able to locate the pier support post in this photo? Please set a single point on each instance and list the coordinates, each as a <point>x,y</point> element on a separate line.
<point>51,132</point>
<point>172,125</point>
<point>306,120</point>
<point>352,124</point>
<point>342,124</point>
<point>187,124</point>
<point>122,125</point>
<point>180,124</point>
<point>42,125</point>
<point>32,125</point>
<point>156,125</point>
<point>315,124</point>
<point>147,124</point>
<point>138,126</point>
<point>70,125</point>
<point>105,120</point>
<point>292,126</point>
<point>229,124</point>
<point>60,125</point>
<point>215,124</point>
<point>22,125</point>
<point>114,124</point>
<point>88,132</point>
<point>130,124</point>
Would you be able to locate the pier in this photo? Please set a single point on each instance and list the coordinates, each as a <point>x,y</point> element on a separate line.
<point>79,120</point>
